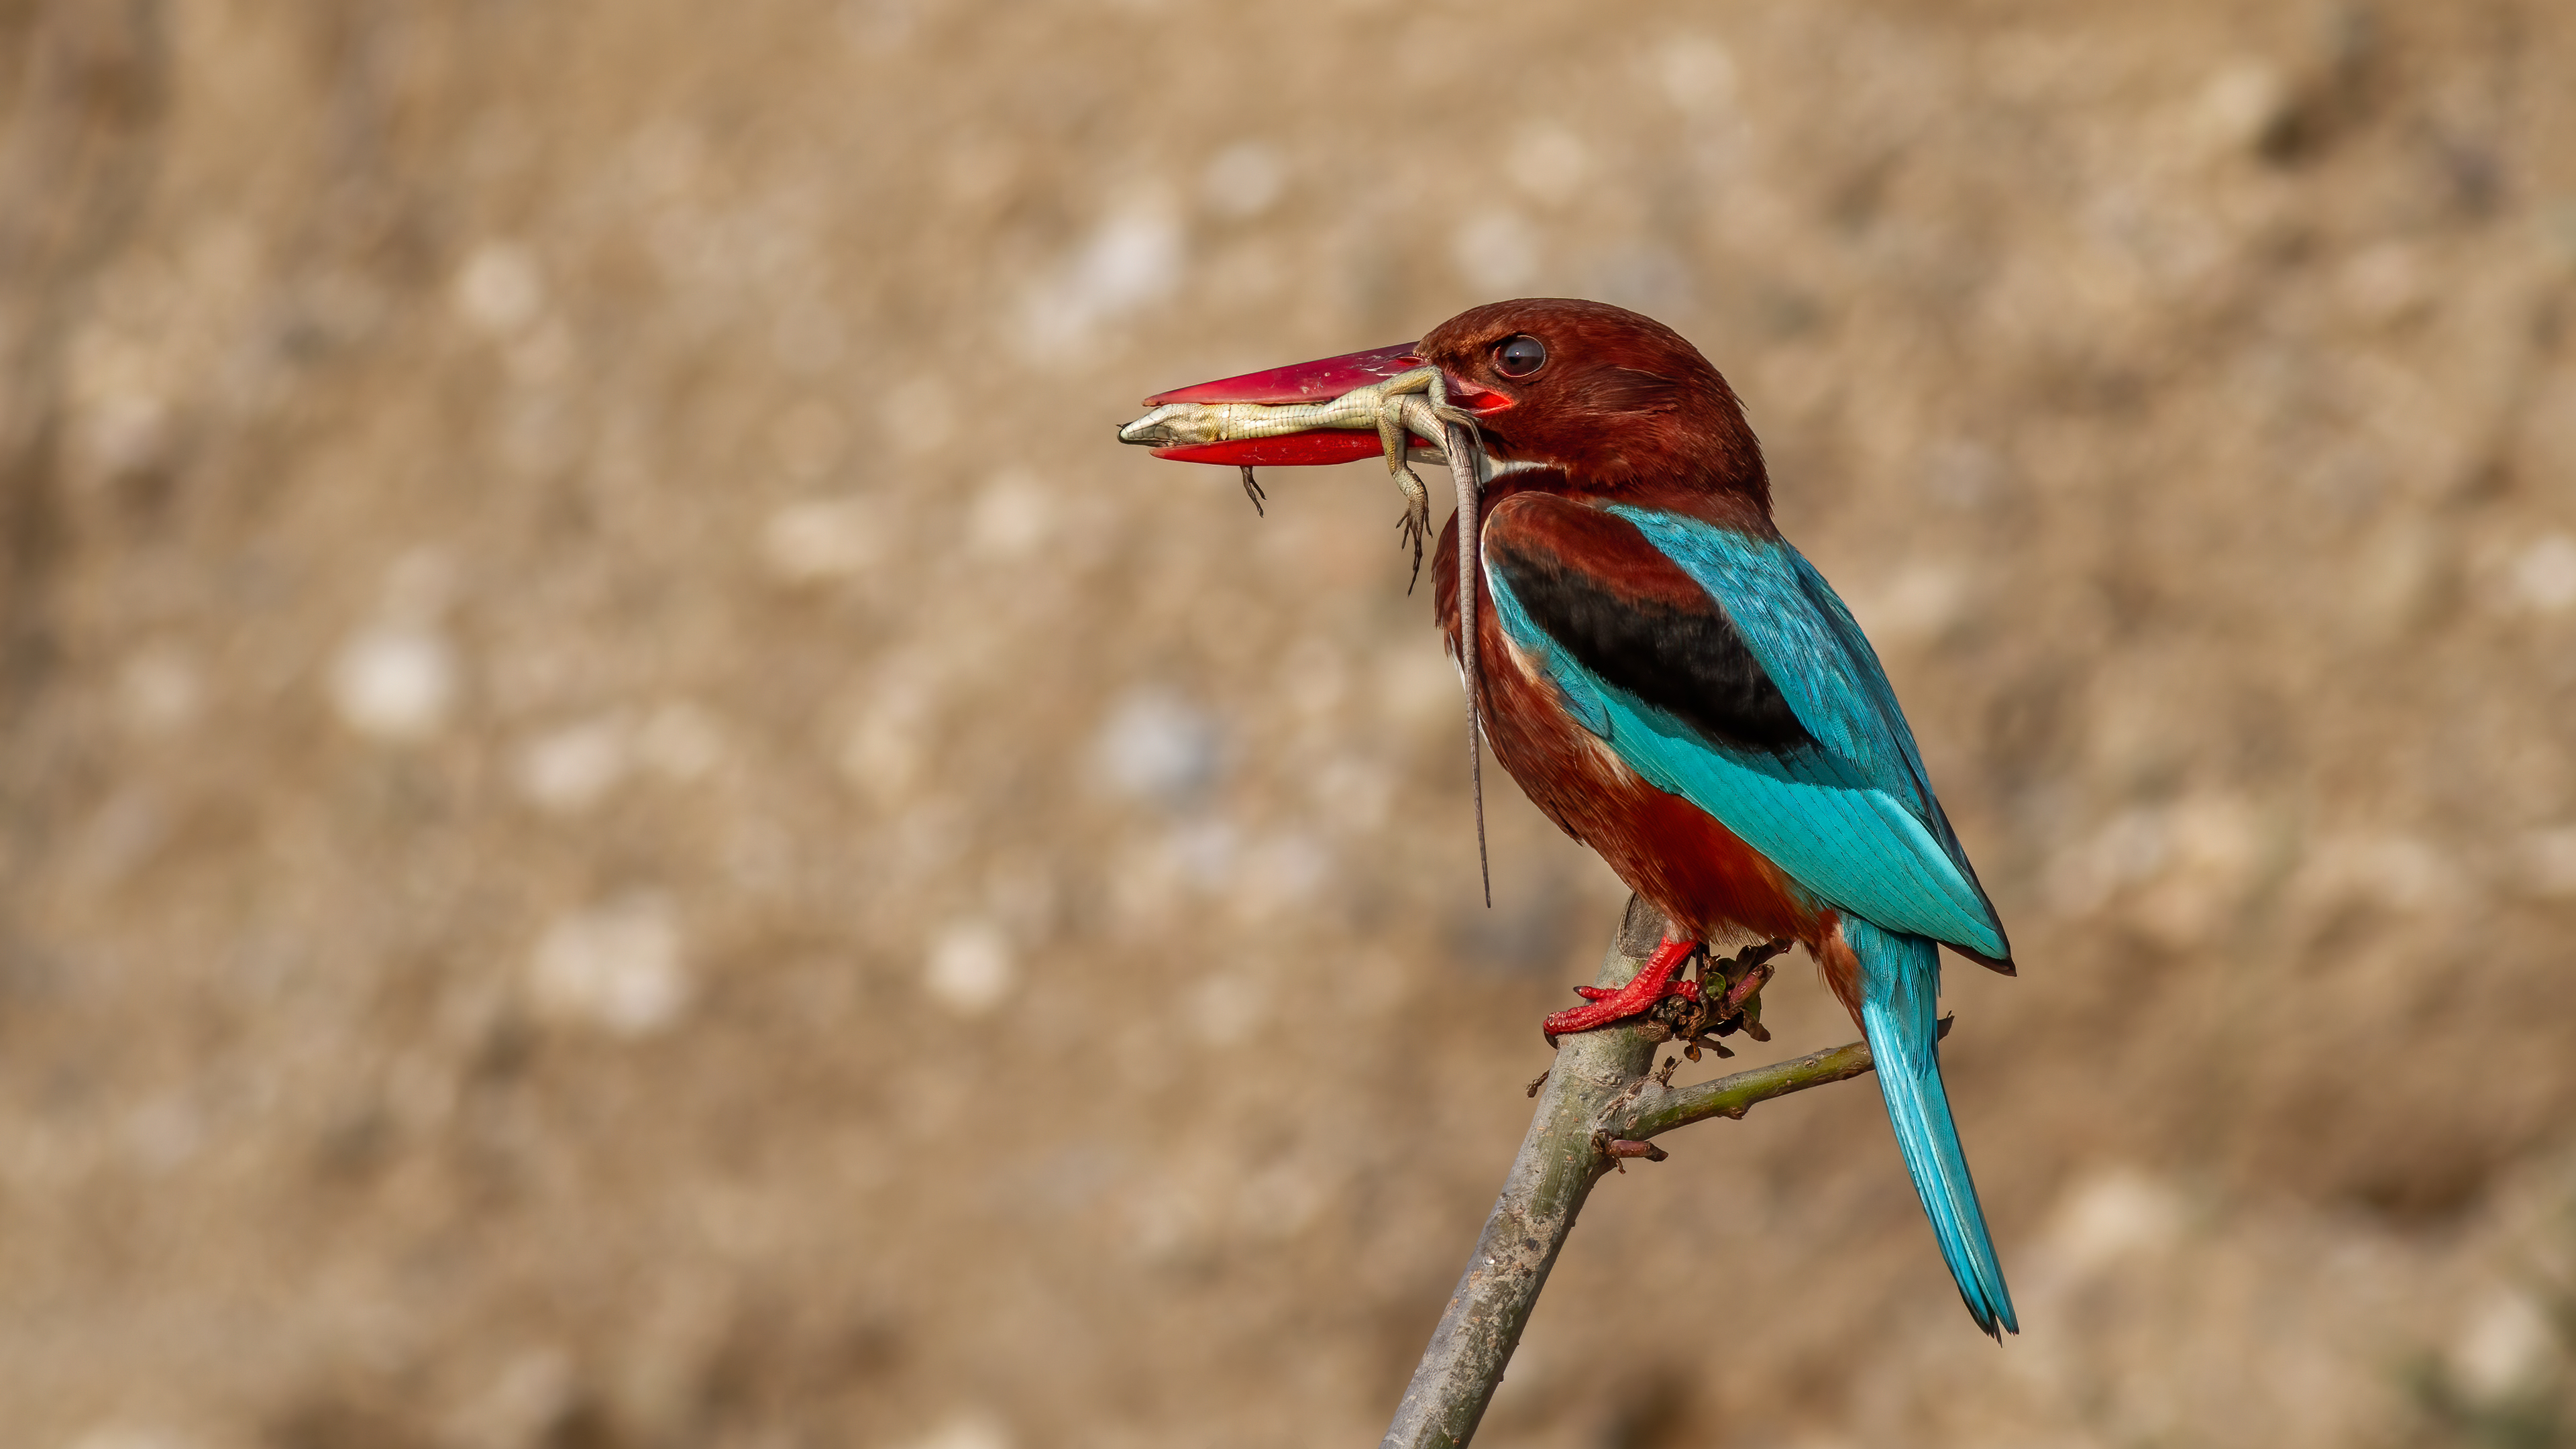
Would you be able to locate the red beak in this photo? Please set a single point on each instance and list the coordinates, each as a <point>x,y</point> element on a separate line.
<point>1311,382</point>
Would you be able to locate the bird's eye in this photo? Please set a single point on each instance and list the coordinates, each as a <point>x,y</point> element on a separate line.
<point>1520,356</point>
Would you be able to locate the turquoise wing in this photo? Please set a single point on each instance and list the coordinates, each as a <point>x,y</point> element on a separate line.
<point>1842,805</point>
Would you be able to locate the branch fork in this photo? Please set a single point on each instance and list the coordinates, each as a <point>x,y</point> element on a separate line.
<point>1598,1105</point>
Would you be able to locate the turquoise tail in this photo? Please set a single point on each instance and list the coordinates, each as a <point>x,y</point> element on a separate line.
<point>1900,990</point>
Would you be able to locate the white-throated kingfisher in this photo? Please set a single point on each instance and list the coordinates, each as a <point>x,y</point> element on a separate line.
<point>1666,677</point>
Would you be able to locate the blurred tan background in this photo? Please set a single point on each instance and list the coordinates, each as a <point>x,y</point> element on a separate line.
<point>626,827</point>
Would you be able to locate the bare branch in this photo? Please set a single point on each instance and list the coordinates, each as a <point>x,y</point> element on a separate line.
<point>1597,1105</point>
<point>1658,1109</point>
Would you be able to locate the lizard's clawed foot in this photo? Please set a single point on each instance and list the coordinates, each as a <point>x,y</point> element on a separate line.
<point>1416,405</point>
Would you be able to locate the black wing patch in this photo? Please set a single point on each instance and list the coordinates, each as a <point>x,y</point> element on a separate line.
<point>1688,660</point>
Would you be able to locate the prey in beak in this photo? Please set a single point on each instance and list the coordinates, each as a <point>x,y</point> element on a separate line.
<point>1336,410</point>
<point>1384,401</point>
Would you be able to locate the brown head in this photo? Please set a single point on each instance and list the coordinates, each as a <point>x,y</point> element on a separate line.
<point>1617,400</point>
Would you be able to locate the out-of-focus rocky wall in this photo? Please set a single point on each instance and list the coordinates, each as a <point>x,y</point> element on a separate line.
<point>624,826</point>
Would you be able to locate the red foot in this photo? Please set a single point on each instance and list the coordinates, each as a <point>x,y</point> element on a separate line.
<point>1652,983</point>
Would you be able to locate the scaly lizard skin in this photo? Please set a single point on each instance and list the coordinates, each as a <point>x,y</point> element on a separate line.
<point>1413,403</point>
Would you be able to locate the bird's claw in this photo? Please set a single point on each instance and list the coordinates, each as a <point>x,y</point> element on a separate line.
<point>1722,997</point>
<point>1652,985</point>
<point>1682,990</point>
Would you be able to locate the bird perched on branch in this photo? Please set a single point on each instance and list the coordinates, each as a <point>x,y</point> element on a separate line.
<point>1666,677</point>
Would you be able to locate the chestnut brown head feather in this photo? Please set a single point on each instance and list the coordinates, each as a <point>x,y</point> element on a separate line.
<point>1621,401</point>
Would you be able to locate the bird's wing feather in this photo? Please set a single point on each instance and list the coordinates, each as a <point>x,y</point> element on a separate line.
<point>1721,667</point>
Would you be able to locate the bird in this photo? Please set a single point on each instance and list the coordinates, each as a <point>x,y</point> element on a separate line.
<point>1666,677</point>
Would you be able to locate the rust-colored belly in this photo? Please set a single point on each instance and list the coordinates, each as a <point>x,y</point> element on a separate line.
<point>1668,850</point>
